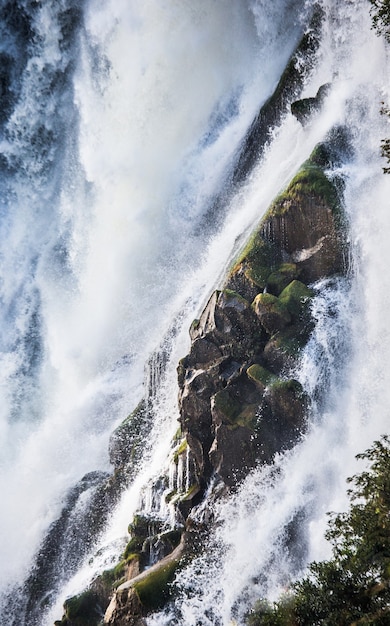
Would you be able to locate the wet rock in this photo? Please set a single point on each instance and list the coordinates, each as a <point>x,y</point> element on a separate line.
<point>281,277</point>
<point>127,441</point>
<point>272,312</point>
<point>82,610</point>
<point>287,90</point>
<point>148,591</point>
<point>306,222</point>
<point>304,109</point>
<point>238,406</point>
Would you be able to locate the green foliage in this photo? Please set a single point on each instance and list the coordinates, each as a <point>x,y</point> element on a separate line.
<point>265,614</point>
<point>385,144</point>
<point>380,14</point>
<point>353,588</point>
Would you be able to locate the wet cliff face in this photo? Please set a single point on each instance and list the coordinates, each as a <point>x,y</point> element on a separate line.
<point>239,403</point>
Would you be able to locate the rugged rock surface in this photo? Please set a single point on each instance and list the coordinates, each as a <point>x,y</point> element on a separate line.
<point>238,402</point>
<point>287,91</point>
<point>305,108</point>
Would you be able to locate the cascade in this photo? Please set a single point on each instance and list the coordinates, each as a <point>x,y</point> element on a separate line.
<point>125,197</point>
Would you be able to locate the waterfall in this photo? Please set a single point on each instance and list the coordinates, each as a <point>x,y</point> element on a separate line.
<point>120,128</point>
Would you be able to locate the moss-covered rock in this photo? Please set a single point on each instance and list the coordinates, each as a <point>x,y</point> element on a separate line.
<point>283,349</point>
<point>82,610</point>
<point>272,312</point>
<point>281,277</point>
<point>154,589</point>
<point>307,222</point>
<point>148,591</point>
<point>249,274</point>
<point>260,375</point>
<point>304,109</point>
<point>288,399</point>
<point>296,298</point>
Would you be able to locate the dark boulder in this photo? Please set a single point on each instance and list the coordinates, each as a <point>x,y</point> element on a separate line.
<point>304,109</point>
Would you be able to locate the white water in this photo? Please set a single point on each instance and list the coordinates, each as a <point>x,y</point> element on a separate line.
<point>162,96</point>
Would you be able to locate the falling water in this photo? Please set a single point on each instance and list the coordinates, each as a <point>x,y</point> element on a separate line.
<point>120,127</point>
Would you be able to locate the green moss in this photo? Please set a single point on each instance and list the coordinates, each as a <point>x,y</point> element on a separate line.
<point>229,293</point>
<point>309,181</point>
<point>171,496</point>
<point>111,577</point>
<point>292,339</point>
<point>272,304</point>
<point>154,590</point>
<point>83,609</point>
<point>260,375</point>
<point>272,312</point>
<point>190,493</point>
<point>228,406</point>
<point>139,526</point>
<point>258,259</point>
<point>291,385</point>
<point>281,277</point>
<point>134,546</point>
<point>247,417</point>
<point>180,450</point>
<point>234,412</point>
<point>195,324</point>
<point>295,297</point>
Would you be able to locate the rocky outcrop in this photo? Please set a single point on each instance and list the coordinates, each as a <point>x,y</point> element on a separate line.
<point>287,91</point>
<point>146,592</point>
<point>305,108</point>
<point>239,402</point>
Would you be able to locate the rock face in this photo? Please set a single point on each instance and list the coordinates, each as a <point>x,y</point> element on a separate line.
<point>287,91</point>
<point>239,403</point>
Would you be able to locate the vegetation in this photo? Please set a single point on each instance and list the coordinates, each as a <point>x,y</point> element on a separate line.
<point>380,14</point>
<point>353,588</point>
<point>81,610</point>
<point>385,144</point>
<point>310,180</point>
<point>155,589</point>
